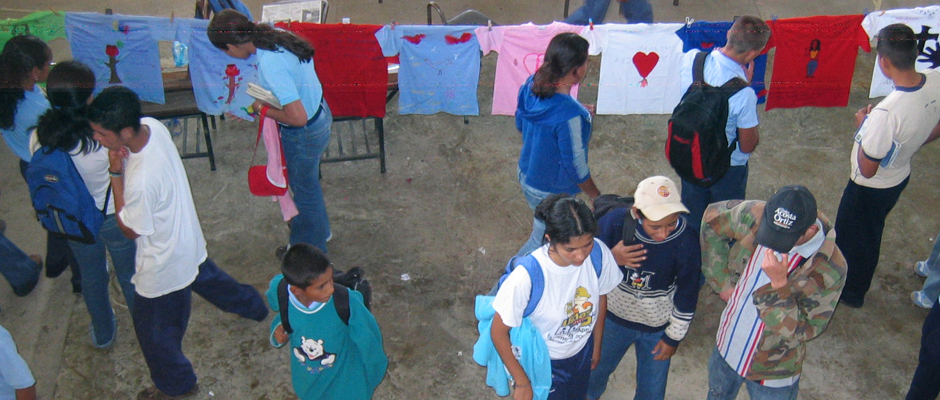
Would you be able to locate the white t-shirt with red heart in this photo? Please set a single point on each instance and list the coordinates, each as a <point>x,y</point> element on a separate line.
<point>639,67</point>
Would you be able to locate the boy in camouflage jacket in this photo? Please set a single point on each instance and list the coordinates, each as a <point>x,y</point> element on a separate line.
<point>785,318</point>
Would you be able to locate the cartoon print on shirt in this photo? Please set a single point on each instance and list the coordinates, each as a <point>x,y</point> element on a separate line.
<point>312,351</point>
<point>928,54</point>
<point>579,318</point>
<point>639,280</point>
<point>813,63</point>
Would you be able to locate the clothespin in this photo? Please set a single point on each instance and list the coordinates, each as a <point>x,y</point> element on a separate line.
<point>865,11</point>
<point>689,21</point>
<point>882,13</point>
<point>393,24</point>
<point>489,25</point>
<point>773,17</point>
<point>54,11</point>
<point>877,4</point>
<point>591,23</point>
<point>172,16</point>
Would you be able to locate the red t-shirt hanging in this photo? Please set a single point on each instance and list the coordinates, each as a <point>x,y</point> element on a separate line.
<point>349,64</point>
<point>815,60</point>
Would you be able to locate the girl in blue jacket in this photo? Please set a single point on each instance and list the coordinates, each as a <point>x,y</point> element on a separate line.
<point>556,130</point>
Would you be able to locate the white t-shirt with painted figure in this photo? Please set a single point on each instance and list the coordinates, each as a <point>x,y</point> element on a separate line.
<point>159,207</point>
<point>567,311</point>
<point>925,21</point>
<point>895,129</point>
<point>639,66</point>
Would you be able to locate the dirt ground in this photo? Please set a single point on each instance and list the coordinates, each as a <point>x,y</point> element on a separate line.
<point>449,212</point>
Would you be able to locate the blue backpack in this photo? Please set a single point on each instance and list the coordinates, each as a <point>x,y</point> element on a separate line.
<point>531,265</point>
<point>62,202</point>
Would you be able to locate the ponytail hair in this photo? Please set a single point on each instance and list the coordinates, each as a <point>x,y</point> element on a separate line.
<point>566,52</point>
<point>65,125</point>
<point>230,27</point>
<point>19,56</point>
<point>565,217</point>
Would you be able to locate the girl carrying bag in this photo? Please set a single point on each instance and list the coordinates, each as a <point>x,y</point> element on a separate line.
<point>258,182</point>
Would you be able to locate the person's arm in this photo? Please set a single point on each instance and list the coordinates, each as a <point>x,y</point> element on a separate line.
<point>26,393</point>
<point>867,166</point>
<point>573,153</point>
<point>116,169</point>
<point>292,114</point>
<point>589,188</point>
<point>748,139</point>
<point>599,331</point>
<point>499,332</point>
<point>801,308</point>
<point>723,223</point>
<point>685,299</point>
<point>933,134</point>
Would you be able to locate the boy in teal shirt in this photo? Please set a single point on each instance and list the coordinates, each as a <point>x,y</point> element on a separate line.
<point>330,358</point>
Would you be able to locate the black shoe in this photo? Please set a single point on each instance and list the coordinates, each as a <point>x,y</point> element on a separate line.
<point>851,303</point>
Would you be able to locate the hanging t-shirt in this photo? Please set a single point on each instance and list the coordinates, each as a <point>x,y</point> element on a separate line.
<point>521,50</point>
<point>815,60</point>
<point>925,21</point>
<point>567,311</point>
<point>705,36</point>
<point>440,67</point>
<point>350,66</point>
<point>639,67</point>
<point>219,81</point>
<point>121,50</point>
<point>46,25</point>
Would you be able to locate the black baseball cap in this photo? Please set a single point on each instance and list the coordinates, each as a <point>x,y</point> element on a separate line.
<point>787,216</point>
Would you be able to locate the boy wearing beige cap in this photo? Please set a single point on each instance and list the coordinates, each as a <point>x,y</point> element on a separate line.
<point>654,304</point>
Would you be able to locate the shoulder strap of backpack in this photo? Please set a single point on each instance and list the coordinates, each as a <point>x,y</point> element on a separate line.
<point>698,68</point>
<point>629,226</point>
<point>282,304</point>
<point>597,257</point>
<point>107,197</point>
<point>341,302</point>
<point>534,269</point>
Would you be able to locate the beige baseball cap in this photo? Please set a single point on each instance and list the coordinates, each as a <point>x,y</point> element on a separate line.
<point>657,197</point>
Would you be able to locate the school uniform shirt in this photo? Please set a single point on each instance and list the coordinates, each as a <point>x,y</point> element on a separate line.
<point>639,66</point>
<point>440,67</point>
<point>289,79</point>
<point>121,50</point>
<point>46,25</point>
<point>815,60</point>
<point>350,66</point>
<point>705,36</point>
<point>220,82</point>
<point>14,373</point>
<point>741,327</point>
<point>158,206</point>
<point>329,359</point>
<point>28,110</point>
<point>521,51</point>
<point>895,129</point>
<point>925,21</point>
<point>567,311</point>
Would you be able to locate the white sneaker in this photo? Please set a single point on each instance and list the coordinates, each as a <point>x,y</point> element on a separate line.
<point>920,299</point>
<point>920,268</point>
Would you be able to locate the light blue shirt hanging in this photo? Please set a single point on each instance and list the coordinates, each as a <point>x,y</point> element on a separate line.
<point>219,81</point>
<point>440,67</point>
<point>121,50</point>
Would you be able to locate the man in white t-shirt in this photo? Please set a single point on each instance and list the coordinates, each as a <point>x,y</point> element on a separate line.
<point>747,38</point>
<point>887,136</point>
<point>154,206</point>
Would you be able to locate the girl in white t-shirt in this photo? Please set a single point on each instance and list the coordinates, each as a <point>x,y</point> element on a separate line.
<point>570,313</point>
<point>65,127</point>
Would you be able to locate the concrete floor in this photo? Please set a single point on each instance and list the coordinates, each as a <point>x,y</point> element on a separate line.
<point>449,213</point>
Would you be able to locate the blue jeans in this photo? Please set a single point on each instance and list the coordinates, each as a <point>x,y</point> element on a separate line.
<point>635,11</point>
<point>651,374</point>
<point>161,322</point>
<point>17,268</point>
<point>926,382</point>
<point>303,147</point>
<point>732,186</point>
<point>93,263</point>
<point>533,197</point>
<point>932,284</point>
<point>570,376</point>
<point>724,383</point>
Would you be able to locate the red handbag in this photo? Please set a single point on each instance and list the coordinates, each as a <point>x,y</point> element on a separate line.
<point>258,182</point>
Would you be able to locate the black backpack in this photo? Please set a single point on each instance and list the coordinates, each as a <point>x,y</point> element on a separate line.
<point>342,282</point>
<point>697,147</point>
<point>607,202</point>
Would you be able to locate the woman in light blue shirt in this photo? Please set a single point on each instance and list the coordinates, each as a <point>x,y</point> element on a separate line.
<point>285,65</point>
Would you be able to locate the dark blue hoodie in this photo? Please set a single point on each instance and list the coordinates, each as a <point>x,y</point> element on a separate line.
<point>555,136</point>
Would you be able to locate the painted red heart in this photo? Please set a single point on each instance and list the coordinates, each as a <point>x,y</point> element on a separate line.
<point>645,63</point>
<point>532,62</point>
<point>457,40</point>
<point>707,45</point>
<point>416,39</point>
